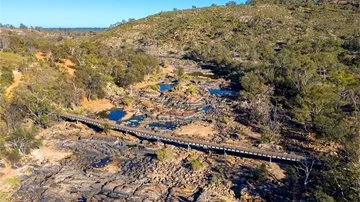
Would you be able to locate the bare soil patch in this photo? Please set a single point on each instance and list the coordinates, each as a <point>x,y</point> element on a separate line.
<point>41,55</point>
<point>68,65</point>
<point>96,105</point>
<point>49,154</point>
<point>196,130</point>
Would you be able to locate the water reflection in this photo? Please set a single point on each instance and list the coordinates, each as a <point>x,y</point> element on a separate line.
<point>222,91</point>
<point>101,163</point>
<point>166,87</point>
<point>113,114</point>
<point>163,126</point>
<point>134,121</point>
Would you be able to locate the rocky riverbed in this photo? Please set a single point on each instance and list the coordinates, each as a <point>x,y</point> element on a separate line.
<point>118,167</point>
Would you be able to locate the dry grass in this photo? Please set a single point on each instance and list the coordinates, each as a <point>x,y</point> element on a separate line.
<point>9,58</point>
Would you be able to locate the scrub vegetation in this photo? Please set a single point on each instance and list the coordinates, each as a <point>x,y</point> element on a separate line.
<point>296,64</point>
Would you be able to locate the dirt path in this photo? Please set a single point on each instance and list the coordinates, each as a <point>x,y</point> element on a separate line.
<point>67,65</point>
<point>17,80</point>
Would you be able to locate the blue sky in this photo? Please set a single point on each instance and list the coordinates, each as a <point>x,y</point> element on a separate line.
<point>88,13</point>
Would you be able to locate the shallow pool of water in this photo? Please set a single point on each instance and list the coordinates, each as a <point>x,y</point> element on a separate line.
<point>202,74</point>
<point>116,114</point>
<point>222,91</point>
<point>134,121</point>
<point>101,163</point>
<point>113,114</point>
<point>82,199</point>
<point>166,87</point>
<point>163,126</point>
<point>206,108</point>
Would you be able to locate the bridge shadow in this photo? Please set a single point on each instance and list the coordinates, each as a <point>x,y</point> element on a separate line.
<point>95,128</point>
<point>91,126</point>
<point>199,148</point>
<point>220,152</point>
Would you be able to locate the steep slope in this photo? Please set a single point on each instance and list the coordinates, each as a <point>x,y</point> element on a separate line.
<point>240,29</point>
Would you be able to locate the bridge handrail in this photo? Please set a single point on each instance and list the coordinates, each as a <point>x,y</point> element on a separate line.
<point>146,133</point>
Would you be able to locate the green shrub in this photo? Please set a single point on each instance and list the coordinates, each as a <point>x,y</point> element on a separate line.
<point>265,139</point>
<point>323,197</point>
<point>192,90</point>
<point>137,65</point>
<point>22,140</point>
<point>164,154</point>
<point>3,196</point>
<point>179,72</point>
<point>196,164</point>
<point>128,101</point>
<point>215,178</point>
<point>12,181</point>
<point>106,128</point>
<point>154,87</point>
<point>92,81</point>
<point>6,76</point>
<point>259,174</point>
<point>2,147</point>
<point>12,155</point>
<point>266,134</point>
<point>227,119</point>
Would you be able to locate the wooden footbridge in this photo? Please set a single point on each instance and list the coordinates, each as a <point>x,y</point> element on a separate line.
<point>150,135</point>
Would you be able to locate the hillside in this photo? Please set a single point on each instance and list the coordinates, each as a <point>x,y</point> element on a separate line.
<point>290,73</point>
<point>238,29</point>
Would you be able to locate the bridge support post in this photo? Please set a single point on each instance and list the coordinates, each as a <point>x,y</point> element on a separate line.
<point>225,153</point>
<point>188,147</point>
<point>270,159</point>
